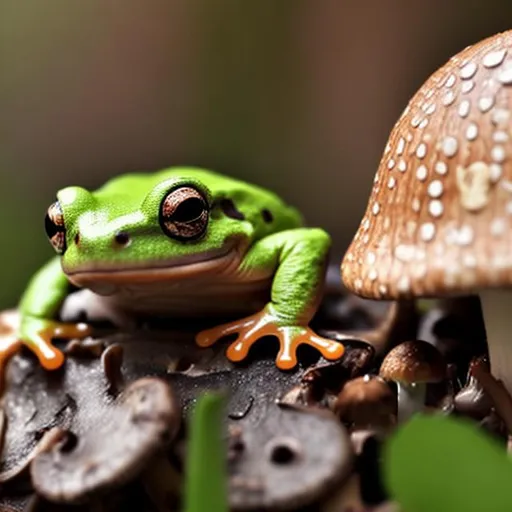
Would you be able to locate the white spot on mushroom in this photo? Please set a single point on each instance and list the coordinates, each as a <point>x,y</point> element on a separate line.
<point>469,260</point>
<point>435,188</point>
<point>450,81</point>
<point>400,147</point>
<point>416,205</point>
<point>415,121</point>
<point>402,166</point>
<point>372,275</point>
<point>468,71</point>
<point>366,238</point>
<point>421,150</point>
<point>423,124</point>
<point>498,226</point>
<point>506,185</point>
<point>467,86</point>
<point>448,98</point>
<point>500,136</point>
<point>408,137</point>
<point>450,146</point>
<point>435,208</point>
<point>383,289</point>
<point>375,208</point>
<point>472,131</point>
<point>464,108</point>
<point>358,283</point>
<point>422,172</point>
<point>495,172</point>
<point>387,223</point>
<point>493,59</point>
<point>371,258</point>
<point>366,224</point>
<point>427,231</point>
<point>391,164</point>
<point>500,116</point>
<point>391,182</point>
<point>498,154</point>
<point>485,103</point>
<point>404,252</point>
<point>461,236</point>
<point>404,284</point>
<point>505,77</point>
<point>441,168</point>
<point>430,109</point>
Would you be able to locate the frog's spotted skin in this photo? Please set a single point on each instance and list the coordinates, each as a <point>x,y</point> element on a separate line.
<point>181,242</point>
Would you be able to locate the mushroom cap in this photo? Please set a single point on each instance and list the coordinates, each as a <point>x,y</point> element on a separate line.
<point>365,401</point>
<point>413,362</point>
<point>439,218</point>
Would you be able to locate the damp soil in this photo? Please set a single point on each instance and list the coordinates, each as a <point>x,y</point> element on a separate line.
<point>108,431</point>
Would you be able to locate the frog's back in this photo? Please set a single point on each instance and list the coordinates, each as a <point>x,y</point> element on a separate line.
<point>263,208</point>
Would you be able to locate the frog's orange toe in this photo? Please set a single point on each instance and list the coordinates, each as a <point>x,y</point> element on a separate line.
<point>51,358</point>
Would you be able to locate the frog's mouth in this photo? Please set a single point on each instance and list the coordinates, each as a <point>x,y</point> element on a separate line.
<point>101,275</point>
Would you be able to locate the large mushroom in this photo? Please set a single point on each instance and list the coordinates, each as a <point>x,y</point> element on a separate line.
<point>439,219</point>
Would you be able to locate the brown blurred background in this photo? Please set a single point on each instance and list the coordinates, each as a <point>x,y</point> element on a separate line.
<point>298,96</point>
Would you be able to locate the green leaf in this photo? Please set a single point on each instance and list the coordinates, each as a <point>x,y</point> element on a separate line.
<point>206,472</point>
<point>440,464</point>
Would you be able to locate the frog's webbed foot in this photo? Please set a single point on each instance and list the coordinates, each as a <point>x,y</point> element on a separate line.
<point>37,335</point>
<point>249,330</point>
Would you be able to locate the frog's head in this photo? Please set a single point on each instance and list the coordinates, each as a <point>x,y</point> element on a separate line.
<point>141,228</point>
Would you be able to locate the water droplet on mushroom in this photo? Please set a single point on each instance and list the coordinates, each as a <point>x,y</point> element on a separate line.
<point>427,231</point>
<point>472,131</point>
<point>468,71</point>
<point>464,108</point>
<point>498,154</point>
<point>498,226</point>
<point>485,103</point>
<point>493,59</point>
<point>467,86</point>
<point>435,188</point>
<point>422,172</point>
<point>450,81</point>
<point>450,146</point>
<point>435,208</point>
<point>400,147</point>
<point>441,168</point>
<point>448,98</point>
<point>421,150</point>
<point>505,77</point>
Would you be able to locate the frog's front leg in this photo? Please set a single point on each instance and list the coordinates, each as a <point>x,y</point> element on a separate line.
<point>39,308</point>
<point>298,258</point>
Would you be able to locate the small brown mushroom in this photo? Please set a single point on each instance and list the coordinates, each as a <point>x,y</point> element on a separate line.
<point>366,402</point>
<point>472,400</point>
<point>142,421</point>
<point>438,221</point>
<point>412,365</point>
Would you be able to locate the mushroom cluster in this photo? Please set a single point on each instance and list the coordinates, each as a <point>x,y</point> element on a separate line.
<point>439,218</point>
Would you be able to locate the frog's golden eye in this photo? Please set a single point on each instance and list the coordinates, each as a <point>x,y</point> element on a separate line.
<point>184,213</point>
<point>55,229</point>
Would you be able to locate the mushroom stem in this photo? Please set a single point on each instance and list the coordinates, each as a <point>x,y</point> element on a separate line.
<point>411,399</point>
<point>497,311</point>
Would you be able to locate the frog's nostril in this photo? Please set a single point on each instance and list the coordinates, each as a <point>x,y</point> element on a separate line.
<point>122,238</point>
<point>77,238</point>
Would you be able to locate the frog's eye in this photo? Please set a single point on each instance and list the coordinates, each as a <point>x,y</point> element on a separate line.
<point>184,213</point>
<point>55,229</point>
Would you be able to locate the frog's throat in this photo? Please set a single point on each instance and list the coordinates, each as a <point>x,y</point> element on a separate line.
<point>219,261</point>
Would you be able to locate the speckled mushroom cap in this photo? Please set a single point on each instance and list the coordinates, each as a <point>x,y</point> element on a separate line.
<point>439,218</point>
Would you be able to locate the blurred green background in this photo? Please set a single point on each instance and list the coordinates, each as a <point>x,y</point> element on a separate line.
<point>295,95</point>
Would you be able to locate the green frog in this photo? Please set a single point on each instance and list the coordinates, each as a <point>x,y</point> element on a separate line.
<point>179,243</point>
